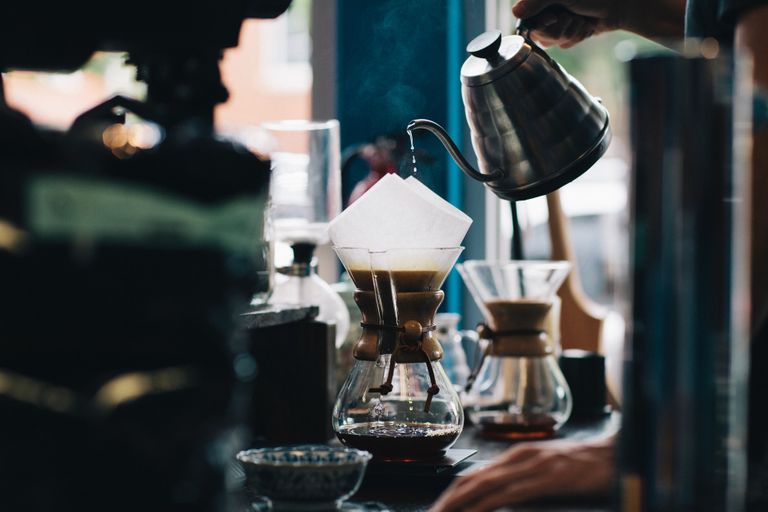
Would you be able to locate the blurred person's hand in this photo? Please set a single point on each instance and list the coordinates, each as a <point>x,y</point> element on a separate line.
<point>568,22</point>
<point>534,470</point>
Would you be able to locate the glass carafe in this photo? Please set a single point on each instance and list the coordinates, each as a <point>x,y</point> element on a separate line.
<point>299,284</point>
<point>397,401</point>
<point>306,178</point>
<point>517,390</point>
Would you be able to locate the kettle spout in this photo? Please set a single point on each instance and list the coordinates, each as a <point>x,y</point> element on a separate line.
<point>442,135</point>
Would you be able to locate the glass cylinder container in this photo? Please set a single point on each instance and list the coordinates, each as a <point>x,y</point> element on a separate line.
<point>517,390</point>
<point>306,178</point>
<point>305,195</point>
<point>397,401</point>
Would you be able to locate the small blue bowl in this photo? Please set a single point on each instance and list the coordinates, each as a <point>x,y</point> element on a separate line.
<point>309,477</point>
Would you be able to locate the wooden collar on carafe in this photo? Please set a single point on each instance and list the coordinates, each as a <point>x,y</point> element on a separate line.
<point>378,338</point>
<point>520,331</point>
<point>518,328</point>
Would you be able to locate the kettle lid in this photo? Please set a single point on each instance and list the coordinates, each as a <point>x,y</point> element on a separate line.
<point>493,56</point>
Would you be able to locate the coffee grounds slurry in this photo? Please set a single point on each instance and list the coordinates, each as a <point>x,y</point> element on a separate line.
<point>404,280</point>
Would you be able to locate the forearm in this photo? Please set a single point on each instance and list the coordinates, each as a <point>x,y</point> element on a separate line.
<point>654,19</point>
<point>752,38</point>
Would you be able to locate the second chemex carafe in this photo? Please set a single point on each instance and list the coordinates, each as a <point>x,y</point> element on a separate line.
<point>517,390</point>
<point>397,401</point>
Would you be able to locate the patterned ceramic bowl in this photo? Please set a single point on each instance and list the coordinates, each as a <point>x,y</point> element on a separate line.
<point>313,477</point>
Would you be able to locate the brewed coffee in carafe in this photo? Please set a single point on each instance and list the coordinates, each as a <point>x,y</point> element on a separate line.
<point>517,390</point>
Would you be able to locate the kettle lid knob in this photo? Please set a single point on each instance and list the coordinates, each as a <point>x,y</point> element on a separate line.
<point>486,45</point>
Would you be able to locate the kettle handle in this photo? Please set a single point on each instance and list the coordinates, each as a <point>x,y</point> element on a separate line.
<point>524,26</point>
<point>442,135</point>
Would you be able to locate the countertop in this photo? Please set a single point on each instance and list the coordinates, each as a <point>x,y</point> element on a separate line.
<point>416,492</point>
<point>277,314</point>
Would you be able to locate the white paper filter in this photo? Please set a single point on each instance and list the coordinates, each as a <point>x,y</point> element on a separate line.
<point>398,214</point>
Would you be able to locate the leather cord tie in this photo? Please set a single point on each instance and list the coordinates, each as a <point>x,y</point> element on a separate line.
<point>485,332</point>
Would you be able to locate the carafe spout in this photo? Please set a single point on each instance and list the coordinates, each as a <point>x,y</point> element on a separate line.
<point>442,135</point>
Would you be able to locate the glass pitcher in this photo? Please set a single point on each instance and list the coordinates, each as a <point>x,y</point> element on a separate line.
<point>517,390</point>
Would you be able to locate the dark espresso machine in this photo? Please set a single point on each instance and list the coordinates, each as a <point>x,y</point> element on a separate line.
<point>123,382</point>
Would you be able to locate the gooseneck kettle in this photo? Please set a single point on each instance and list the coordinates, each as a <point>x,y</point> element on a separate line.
<point>534,127</point>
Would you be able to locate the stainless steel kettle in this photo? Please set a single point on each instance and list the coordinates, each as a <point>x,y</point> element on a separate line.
<point>534,127</point>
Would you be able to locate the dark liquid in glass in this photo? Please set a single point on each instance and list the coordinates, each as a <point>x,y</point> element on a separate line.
<point>399,441</point>
<point>498,425</point>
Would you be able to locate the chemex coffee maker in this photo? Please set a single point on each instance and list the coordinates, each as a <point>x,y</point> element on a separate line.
<point>123,382</point>
<point>398,243</point>
<point>516,390</point>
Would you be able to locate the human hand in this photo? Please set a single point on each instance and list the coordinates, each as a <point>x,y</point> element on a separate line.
<point>533,470</point>
<point>567,22</point>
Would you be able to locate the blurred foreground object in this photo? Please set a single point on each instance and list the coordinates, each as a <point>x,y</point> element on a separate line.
<point>684,429</point>
<point>124,261</point>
